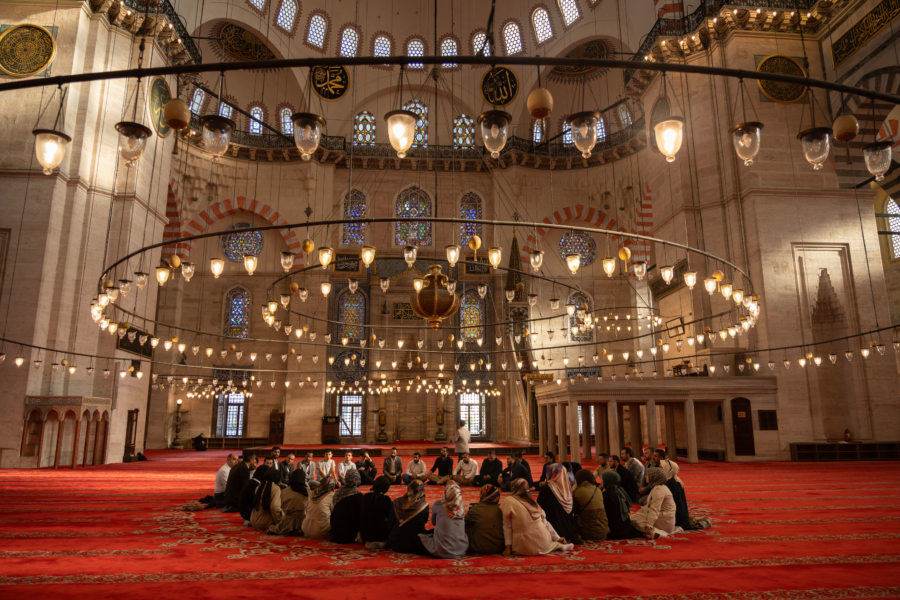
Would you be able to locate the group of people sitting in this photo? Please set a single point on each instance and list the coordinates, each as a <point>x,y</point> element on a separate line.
<point>322,500</point>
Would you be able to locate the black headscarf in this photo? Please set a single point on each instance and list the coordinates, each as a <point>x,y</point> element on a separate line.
<point>583,475</point>
<point>298,482</point>
<point>611,481</point>
<point>267,479</point>
<point>381,485</point>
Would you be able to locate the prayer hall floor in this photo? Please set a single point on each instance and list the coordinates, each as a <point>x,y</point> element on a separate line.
<point>780,531</point>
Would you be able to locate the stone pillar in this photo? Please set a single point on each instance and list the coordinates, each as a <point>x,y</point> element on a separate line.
<point>690,421</point>
<point>612,414</point>
<point>562,438</point>
<point>542,429</point>
<point>634,427</point>
<point>620,421</point>
<point>572,422</point>
<point>671,445</point>
<point>551,427</point>
<point>652,425</point>
<point>586,423</point>
<point>601,435</point>
<point>728,427</point>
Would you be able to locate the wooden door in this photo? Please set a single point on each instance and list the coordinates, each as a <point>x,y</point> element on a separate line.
<point>130,435</point>
<point>742,425</point>
<point>276,427</point>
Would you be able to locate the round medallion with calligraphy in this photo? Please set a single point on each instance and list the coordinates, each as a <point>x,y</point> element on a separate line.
<point>26,50</point>
<point>330,82</point>
<point>499,86</point>
<point>776,91</point>
<point>158,96</point>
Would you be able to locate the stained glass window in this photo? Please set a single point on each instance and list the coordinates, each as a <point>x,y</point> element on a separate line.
<point>420,139</point>
<point>624,115</point>
<point>349,41</point>
<point>582,303</point>
<point>542,29</point>
<point>225,110</point>
<point>259,4</point>
<point>569,10</point>
<point>413,202</point>
<point>567,134</point>
<point>415,47</point>
<point>512,37</point>
<point>894,226</point>
<point>354,208</point>
<point>537,131</point>
<point>286,15</point>
<point>197,101</point>
<point>237,313</point>
<point>469,208</point>
<point>449,48</point>
<point>601,130</point>
<point>471,316</point>
<point>364,129</point>
<point>463,131</point>
<point>316,33</point>
<point>287,123</point>
<point>256,120</point>
<point>578,242</point>
<point>479,47</point>
<point>382,46</point>
<point>238,245</point>
<point>351,316</point>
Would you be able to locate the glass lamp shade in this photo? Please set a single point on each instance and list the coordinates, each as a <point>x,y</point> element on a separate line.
<point>451,287</point>
<point>495,255</point>
<point>690,279</point>
<point>285,300</point>
<point>271,307</point>
<point>352,285</point>
<point>878,158</point>
<point>418,284</point>
<point>216,266</point>
<point>710,284</point>
<point>287,261</point>
<point>308,129</point>
<point>140,279</point>
<point>50,148</point>
<point>667,273</point>
<point>384,283</point>
<point>162,275</point>
<point>816,145</point>
<point>216,132</point>
<point>583,126</point>
<point>494,126</point>
<point>401,126</point>
<point>482,290</point>
<point>367,254</point>
<point>669,137</point>
<point>738,296</point>
<point>326,288</point>
<point>570,309</point>
<point>303,293</point>
<point>250,263</point>
<point>573,261</point>
<point>640,269</point>
<point>537,259</point>
<point>510,295</point>
<point>726,289</point>
<point>409,255</point>
<point>187,270</point>
<point>325,256</point>
<point>609,266</point>
<point>452,254</point>
<point>554,303</point>
<point>132,141</point>
<point>746,140</point>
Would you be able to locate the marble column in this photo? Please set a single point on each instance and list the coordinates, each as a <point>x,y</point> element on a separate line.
<point>561,432</point>
<point>634,428</point>
<point>572,422</point>
<point>728,429</point>
<point>542,429</point>
<point>551,427</point>
<point>614,426</point>
<point>586,422</point>
<point>652,425</point>
<point>690,421</point>
<point>671,444</point>
<point>601,435</point>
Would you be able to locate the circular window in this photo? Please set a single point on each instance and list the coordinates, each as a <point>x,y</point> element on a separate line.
<point>578,242</point>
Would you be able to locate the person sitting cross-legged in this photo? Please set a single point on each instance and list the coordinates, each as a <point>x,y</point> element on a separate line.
<point>442,469</point>
<point>294,499</point>
<point>525,528</point>
<point>326,469</point>
<point>484,522</point>
<point>344,466</point>
<point>317,521</point>
<point>393,467</point>
<point>345,513</point>
<point>555,497</point>
<point>267,501</point>
<point>490,470</point>
<point>466,470</point>
<point>308,464</point>
<point>367,469</point>
<point>375,515</point>
<point>657,517</point>
<point>415,469</point>
<point>587,504</point>
<point>448,538</point>
<point>237,479</point>
<point>617,505</point>
<point>408,520</point>
<point>222,480</point>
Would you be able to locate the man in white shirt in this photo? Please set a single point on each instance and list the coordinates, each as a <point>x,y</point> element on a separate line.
<point>325,468</point>
<point>222,479</point>
<point>463,437</point>
<point>466,470</point>
<point>415,470</point>
<point>345,466</point>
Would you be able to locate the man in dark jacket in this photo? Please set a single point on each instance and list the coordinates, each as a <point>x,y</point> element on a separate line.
<point>490,470</point>
<point>442,468</point>
<point>237,479</point>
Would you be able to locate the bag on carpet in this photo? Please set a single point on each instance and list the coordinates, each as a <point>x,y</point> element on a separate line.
<point>701,523</point>
<point>193,506</point>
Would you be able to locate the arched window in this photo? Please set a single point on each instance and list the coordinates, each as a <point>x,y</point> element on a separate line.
<point>893,209</point>
<point>415,47</point>
<point>449,47</point>
<point>317,27</point>
<point>256,120</point>
<point>463,131</point>
<point>257,4</point>
<point>238,245</point>
<point>577,331</point>
<point>471,316</point>
<point>480,45</point>
<point>197,101</point>
<point>601,130</point>
<point>420,139</point>
<point>469,208</point>
<point>624,115</point>
<point>381,46</point>
<point>567,134</point>
<point>364,129</point>
<point>512,37</point>
<point>413,202</point>
<point>237,313</point>
<point>287,122</point>
<point>569,10</point>
<point>287,14</point>
<point>349,41</point>
<point>354,208</point>
<point>537,131</point>
<point>541,21</point>
<point>351,316</point>
<point>224,109</point>
<point>578,242</point>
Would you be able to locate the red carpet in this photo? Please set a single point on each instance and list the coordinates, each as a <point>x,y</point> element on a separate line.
<point>780,530</point>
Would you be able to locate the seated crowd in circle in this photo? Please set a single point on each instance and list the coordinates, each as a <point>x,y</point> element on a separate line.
<point>569,506</point>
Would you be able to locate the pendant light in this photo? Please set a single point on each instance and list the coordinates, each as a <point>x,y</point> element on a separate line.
<point>308,129</point>
<point>326,254</point>
<point>815,141</point>
<point>609,266</point>
<point>216,267</point>
<point>495,255</point>
<point>669,132</point>
<point>452,254</point>
<point>216,130</point>
<point>537,259</point>
<point>667,273</point>
<point>401,124</point>
<point>409,255</point>
<point>745,136</point>
<point>367,254</point>
<point>287,261</point>
<point>583,126</point>
<point>50,144</point>
<point>494,125</point>
<point>573,261</point>
<point>878,158</point>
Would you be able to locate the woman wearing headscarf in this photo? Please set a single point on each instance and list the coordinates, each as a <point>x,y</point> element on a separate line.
<point>346,511</point>
<point>248,492</point>
<point>408,520</point>
<point>657,517</point>
<point>317,522</point>
<point>293,502</point>
<point>448,538</point>
<point>484,523</point>
<point>267,501</point>
<point>556,499</point>
<point>626,480</point>
<point>682,515</point>
<point>618,506</point>
<point>526,530</point>
<point>375,515</point>
<point>587,502</point>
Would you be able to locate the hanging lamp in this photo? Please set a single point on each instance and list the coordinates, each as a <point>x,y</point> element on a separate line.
<point>216,129</point>
<point>308,128</point>
<point>745,136</point>
<point>583,126</point>
<point>494,125</point>
<point>669,132</point>
<point>50,144</point>
<point>401,124</point>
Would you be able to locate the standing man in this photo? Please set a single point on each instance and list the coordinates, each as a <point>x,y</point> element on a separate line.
<point>442,468</point>
<point>325,468</point>
<point>393,467</point>
<point>222,480</point>
<point>415,469</point>
<point>463,437</point>
<point>344,467</point>
<point>466,470</point>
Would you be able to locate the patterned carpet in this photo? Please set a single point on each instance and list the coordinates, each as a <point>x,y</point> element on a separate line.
<point>780,530</point>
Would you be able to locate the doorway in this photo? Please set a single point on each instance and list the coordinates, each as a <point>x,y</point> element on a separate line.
<point>742,425</point>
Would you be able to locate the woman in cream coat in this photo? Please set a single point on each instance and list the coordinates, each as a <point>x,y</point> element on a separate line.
<point>317,522</point>
<point>525,527</point>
